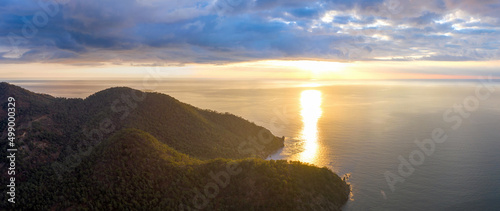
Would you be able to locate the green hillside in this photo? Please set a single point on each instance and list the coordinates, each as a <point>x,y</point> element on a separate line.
<point>123,149</point>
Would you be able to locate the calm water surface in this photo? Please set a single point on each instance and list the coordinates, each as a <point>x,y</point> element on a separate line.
<point>362,130</point>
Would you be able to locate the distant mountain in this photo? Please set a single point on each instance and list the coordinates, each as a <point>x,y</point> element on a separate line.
<point>123,148</point>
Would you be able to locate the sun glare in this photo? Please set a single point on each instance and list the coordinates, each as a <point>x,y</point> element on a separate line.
<point>310,102</point>
<point>322,69</point>
<point>317,69</point>
<point>319,66</point>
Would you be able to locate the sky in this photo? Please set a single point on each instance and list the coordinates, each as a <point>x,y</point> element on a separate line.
<point>300,39</point>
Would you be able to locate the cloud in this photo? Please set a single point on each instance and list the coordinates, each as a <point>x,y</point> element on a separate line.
<point>225,31</point>
<point>426,18</point>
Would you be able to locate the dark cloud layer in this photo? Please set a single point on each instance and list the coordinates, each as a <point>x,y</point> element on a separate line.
<point>222,31</point>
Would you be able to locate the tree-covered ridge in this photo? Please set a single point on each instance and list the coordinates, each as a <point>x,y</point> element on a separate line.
<point>123,148</point>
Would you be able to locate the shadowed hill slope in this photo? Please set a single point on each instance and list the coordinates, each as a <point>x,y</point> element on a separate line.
<point>133,170</point>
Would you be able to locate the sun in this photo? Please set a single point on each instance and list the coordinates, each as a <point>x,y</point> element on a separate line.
<point>317,69</point>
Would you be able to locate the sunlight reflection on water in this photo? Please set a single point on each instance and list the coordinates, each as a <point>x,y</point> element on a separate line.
<point>310,102</point>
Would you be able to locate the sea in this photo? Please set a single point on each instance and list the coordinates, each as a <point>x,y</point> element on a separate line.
<point>401,144</point>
